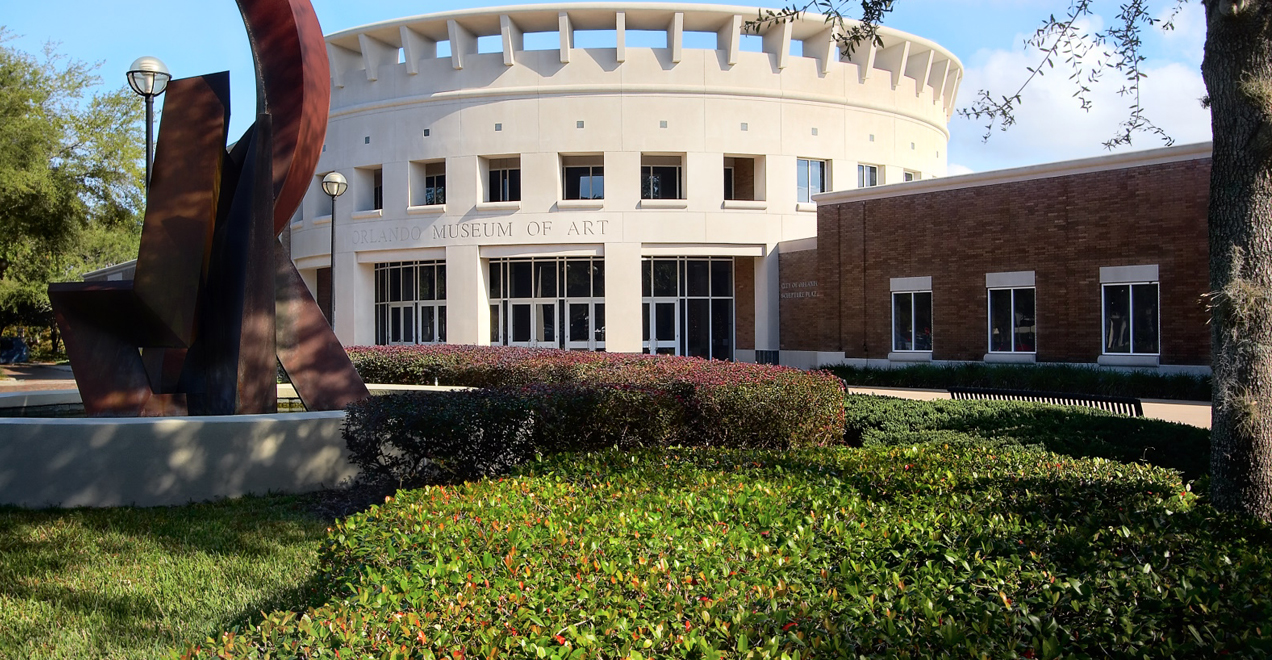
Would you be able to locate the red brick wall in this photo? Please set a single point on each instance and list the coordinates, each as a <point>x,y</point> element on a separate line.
<point>744,302</point>
<point>799,300</point>
<point>1063,228</point>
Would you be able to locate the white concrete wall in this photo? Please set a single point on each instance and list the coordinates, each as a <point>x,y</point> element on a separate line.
<point>150,462</point>
<point>880,109</point>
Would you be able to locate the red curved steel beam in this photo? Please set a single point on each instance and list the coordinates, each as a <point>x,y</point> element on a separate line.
<point>294,87</point>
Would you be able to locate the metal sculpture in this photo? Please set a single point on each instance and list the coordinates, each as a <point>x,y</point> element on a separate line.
<point>216,303</point>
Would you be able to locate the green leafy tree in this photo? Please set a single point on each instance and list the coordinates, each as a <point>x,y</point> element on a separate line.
<point>70,178</point>
<point>1237,70</point>
<point>24,299</point>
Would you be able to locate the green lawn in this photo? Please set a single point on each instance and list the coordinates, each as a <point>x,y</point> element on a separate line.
<point>132,583</point>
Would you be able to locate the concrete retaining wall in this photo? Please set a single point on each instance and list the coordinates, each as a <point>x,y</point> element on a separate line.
<point>154,462</point>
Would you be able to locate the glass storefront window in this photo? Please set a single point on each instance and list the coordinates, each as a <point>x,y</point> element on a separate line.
<point>688,306</point>
<point>1131,321</point>
<point>410,302</point>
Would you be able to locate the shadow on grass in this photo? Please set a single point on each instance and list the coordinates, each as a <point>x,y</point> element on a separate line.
<point>1073,379</point>
<point>107,577</point>
<point>1076,432</point>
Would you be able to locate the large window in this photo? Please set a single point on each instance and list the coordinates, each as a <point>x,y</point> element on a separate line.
<point>368,190</point>
<point>1012,328</point>
<point>912,321</point>
<point>428,183</point>
<point>811,178</point>
<point>687,306</point>
<point>867,176</point>
<point>743,178</point>
<point>551,302</point>
<point>410,302</point>
<point>377,189</point>
<point>1131,319</point>
<point>503,180</point>
<point>661,177</point>
<point>583,176</point>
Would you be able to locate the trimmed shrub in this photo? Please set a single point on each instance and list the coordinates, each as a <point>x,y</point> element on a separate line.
<point>465,434</point>
<point>468,434</point>
<point>1083,432</point>
<point>1070,379</point>
<point>583,400</point>
<point>934,550</point>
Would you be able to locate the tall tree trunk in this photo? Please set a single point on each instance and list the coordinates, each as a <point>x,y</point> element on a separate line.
<point>1238,73</point>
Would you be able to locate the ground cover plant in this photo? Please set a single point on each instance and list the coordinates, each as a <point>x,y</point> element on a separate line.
<point>936,549</point>
<point>875,420</point>
<point>1070,379</point>
<point>132,583</point>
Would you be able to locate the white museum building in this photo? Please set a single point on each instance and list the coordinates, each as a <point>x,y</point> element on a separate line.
<point>599,176</point>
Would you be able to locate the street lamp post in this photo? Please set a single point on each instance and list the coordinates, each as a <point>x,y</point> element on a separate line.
<point>149,77</point>
<point>334,184</point>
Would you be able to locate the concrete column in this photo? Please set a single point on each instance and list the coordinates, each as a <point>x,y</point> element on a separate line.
<point>462,184</point>
<point>622,298</point>
<point>540,181</point>
<point>622,181</point>
<point>397,187</point>
<point>354,286</point>
<point>766,302</point>
<point>467,296</point>
<point>780,187</point>
<point>310,277</point>
<point>704,180</point>
<point>892,173</point>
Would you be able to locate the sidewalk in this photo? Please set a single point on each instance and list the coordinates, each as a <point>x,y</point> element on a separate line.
<point>35,377</point>
<point>1193,413</point>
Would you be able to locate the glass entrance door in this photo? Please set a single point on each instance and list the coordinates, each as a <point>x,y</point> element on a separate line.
<point>533,324</point>
<point>688,306</point>
<point>662,327</point>
<point>401,323</point>
<point>578,326</point>
<point>584,326</point>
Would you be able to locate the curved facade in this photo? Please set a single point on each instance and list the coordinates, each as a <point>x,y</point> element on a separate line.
<point>509,183</point>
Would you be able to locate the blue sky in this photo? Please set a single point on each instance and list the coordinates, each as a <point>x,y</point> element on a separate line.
<point>201,36</point>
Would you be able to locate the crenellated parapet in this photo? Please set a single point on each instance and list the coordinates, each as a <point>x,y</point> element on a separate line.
<point>401,49</point>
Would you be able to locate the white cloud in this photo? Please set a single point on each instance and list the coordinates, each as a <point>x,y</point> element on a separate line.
<point>955,169</point>
<point>1051,125</point>
<point>1188,38</point>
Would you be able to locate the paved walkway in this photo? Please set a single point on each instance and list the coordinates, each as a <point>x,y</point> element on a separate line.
<point>38,377</point>
<point>1195,413</point>
<point>35,377</point>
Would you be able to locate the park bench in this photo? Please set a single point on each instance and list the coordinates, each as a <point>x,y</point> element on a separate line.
<point>1119,405</point>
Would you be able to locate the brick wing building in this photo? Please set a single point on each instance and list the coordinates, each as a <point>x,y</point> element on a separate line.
<point>1099,261</point>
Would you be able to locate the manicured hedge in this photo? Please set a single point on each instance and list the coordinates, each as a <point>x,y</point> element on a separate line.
<point>425,436</point>
<point>931,550</point>
<point>873,420</point>
<point>541,401</point>
<point>1073,379</point>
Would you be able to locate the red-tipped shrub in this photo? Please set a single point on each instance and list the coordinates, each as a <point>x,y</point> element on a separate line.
<point>581,400</point>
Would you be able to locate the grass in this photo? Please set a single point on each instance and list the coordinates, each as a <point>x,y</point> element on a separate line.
<point>132,583</point>
<point>1070,379</point>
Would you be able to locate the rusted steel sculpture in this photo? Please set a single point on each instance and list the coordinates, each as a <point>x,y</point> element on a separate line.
<point>215,301</point>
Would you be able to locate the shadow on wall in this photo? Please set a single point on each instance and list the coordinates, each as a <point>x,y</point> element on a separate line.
<point>158,462</point>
